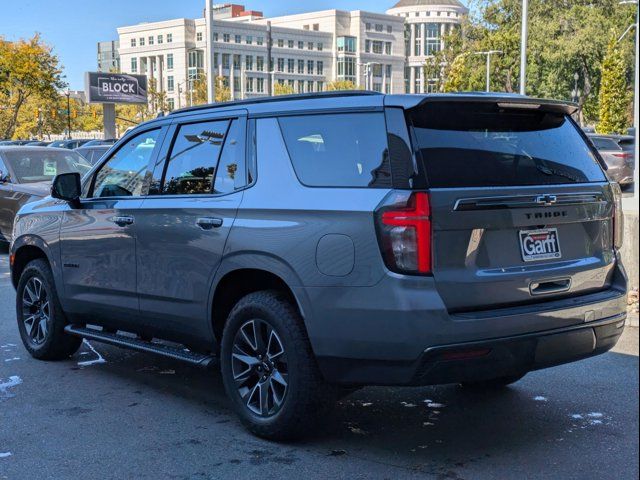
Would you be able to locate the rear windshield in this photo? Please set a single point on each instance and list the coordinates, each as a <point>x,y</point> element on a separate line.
<point>605,143</point>
<point>478,144</point>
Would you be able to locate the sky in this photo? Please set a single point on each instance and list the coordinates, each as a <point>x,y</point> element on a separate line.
<point>73,27</point>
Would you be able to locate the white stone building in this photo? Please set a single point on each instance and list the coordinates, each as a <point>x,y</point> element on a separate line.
<point>382,52</point>
<point>426,23</point>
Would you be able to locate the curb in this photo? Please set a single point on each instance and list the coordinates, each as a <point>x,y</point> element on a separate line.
<point>632,320</point>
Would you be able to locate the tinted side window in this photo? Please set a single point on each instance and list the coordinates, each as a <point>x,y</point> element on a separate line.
<point>338,150</point>
<point>191,164</point>
<point>232,172</point>
<point>125,173</point>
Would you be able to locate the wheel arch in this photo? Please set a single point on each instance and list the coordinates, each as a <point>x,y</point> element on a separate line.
<point>25,249</point>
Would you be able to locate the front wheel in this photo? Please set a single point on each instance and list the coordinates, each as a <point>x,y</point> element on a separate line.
<point>41,320</point>
<point>269,370</point>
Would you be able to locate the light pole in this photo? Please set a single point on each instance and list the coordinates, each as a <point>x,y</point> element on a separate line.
<point>68,95</point>
<point>636,101</point>
<point>523,47</point>
<point>488,53</point>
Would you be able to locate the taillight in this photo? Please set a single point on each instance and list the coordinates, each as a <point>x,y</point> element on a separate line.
<point>618,216</point>
<point>403,220</point>
<point>625,155</point>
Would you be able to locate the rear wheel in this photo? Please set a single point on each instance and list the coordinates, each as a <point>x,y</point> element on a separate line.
<point>269,370</point>
<point>41,320</point>
<point>494,383</point>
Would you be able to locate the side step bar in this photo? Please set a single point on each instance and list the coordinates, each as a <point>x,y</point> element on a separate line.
<point>193,358</point>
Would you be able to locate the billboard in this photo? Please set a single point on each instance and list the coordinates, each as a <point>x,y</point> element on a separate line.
<point>115,88</point>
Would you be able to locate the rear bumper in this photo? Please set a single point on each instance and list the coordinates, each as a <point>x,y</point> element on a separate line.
<point>482,360</point>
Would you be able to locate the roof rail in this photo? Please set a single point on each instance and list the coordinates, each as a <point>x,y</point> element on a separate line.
<point>278,98</point>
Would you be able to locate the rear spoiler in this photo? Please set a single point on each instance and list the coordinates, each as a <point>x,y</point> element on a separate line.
<point>506,101</point>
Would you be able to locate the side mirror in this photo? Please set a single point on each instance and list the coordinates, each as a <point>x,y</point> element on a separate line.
<point>66,186</point>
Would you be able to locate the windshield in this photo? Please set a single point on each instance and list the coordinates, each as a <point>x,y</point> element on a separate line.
<point>481,144</point>
<point>41,165</point>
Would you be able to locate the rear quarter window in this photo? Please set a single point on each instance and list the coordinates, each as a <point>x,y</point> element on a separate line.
<point>338,150</point>
<point>481,144</point>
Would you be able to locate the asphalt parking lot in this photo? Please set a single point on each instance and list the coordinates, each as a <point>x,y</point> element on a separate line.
<point>110,413</point>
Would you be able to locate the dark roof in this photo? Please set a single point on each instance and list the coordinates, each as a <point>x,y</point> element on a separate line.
<point>413,3</point>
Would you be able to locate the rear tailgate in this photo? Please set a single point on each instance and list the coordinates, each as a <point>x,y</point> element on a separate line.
<point>521,209</point>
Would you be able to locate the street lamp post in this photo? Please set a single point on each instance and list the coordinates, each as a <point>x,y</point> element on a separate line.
<point>68,94</point>
<point>488,53</point>
<point>575,93</point>
<point>523,47</point>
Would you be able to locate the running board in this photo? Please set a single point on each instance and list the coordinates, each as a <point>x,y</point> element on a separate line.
<point>193,358</point>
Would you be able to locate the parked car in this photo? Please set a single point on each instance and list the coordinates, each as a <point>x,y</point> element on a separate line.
<point>13,143</point>
<point>93,143</point>
<point>69,144</point>
<point>37,143</point>
<point>316,243</point>
<point>92,153</point>
<point>25,176</point>
<point>617,152</point>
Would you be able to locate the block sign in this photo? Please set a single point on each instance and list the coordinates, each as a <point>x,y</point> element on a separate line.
<point>115,88</point>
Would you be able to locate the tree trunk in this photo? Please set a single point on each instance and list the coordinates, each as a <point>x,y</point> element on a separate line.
<point>11,126</point>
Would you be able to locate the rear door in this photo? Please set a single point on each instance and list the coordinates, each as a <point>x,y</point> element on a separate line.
<point>184,223</point>
<point>521,209</point>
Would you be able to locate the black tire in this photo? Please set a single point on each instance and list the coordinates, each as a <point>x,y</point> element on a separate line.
<point>494,383</point>
<point>306,396</point>
<point>47,342</point>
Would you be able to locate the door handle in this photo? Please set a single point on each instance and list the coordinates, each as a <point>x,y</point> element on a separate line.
<point>123,221</point>
<point>207,223</point>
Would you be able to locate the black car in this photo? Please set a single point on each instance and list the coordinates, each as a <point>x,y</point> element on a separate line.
<point>69,144</point>
<point>13,143</point>
<point>93,153</point>
<point>95,143</point>
<point>25,176</point>
<point>37,143</point>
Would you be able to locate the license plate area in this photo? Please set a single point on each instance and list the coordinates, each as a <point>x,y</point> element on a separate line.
<point>540,244</point>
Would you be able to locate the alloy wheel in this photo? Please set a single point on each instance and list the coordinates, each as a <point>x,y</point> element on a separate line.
<point>36,311</point>
<point>259,368</point>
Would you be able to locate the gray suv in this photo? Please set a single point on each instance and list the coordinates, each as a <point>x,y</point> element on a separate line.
<point>312,244</point>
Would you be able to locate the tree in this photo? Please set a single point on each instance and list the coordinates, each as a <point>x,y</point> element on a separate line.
<point>222,91</point>
<point>157,99</point>
<point>283,89</point>
<point>614,97</point>
<point>341,85</point>
<point>28,68</point>
<point>199,94</point>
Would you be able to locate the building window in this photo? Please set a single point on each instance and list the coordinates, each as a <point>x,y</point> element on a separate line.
<point>171,103</point>
<point>216,60</point>
<point>320,46</point>
<point>376,70</point>
<point>300,86</point>
<point>432,42</point>
<point>320,66</point>
<point>226,60</point>
<point>237,38</point>
<point>310,86</point>
<point>305,27</point>
<point>226,38</point>
<point>389,29</point>
<point>377,87</point>
<point>260,64</point>
<point>320,86</point>
<point>310,67</point>
<point>379,27</point>
<point>387,48</point>
<point>300,45</point>
<point>367,46</point>
<point>316,27</point>
<point>367,27</point>
<point>236,83</point>
<point>141,41</point>
<point>170,61</point>
<point>160,39</point>
<point>151,39</point>
<point>249,85</point>
<point>280,43</point>
<point>237,59</point>
<point>249,40</point>
<point>134,65</point>
<point>248,60</point>
<point>198,37</point>
<point>291,83</point>
<point>281,64</point>
<point>300,66</point>
<point>347,44</point>
<point>260,85</point>
<point>291,65</point>
<point>215,36</point>
<point>133,42</point>
<point>347,69</point>
<point>260,40</point>
<point>310,45</point>
<point>388,71</point>
<point>170,83</point>
<point>417,48</point>
<point>377,46</point>
<point>170,37</point>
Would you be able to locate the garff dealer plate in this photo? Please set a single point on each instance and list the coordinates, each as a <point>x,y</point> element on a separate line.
<point>542,244</point>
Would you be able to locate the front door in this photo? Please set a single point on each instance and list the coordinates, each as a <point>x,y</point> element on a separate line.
<point>98,239</point>
<point>183,225</point>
